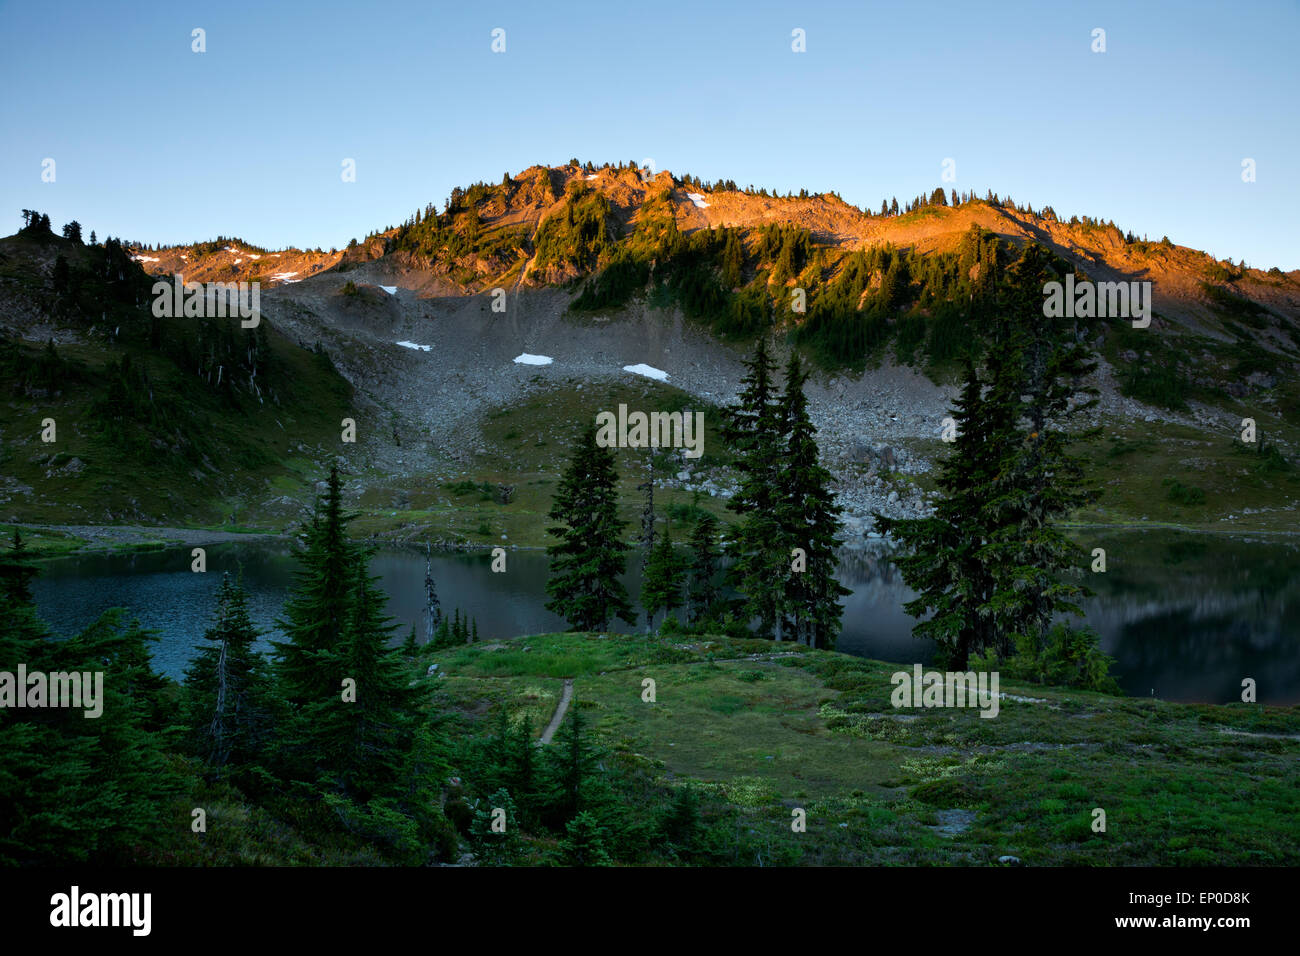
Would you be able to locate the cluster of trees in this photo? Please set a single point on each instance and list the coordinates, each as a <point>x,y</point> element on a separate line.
<point>75,788</point>
<point>991,566</point>
<point>928,302</point>
<point>785,544</point>
<point>334,733</point>
<point>580,235</point>
<point>782,550</point>
<point>336,722</point>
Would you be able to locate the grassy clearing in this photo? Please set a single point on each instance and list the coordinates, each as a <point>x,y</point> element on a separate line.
<point>1166,474</point>
<point>1180,784</point>
<point>42,543</point>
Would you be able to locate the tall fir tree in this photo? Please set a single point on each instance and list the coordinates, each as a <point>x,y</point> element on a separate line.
<point>943,556</point>
<point>317,609</point>
<point>360,732</point>
<point>810,519</point>
<point>648,528</point>
<point>988,565</point>
<point>576,781</point>
<point>229,709</point>
<point>702,591</point>
<point>584,584</point>
<point>1040,370</point>
<point>753,428</point>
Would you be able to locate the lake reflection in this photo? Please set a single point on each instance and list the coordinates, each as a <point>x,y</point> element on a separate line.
<point>1186,616</point>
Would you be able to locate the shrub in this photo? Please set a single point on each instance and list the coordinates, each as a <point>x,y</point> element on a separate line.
<point>1182,494</point>
<point>1065,656</point>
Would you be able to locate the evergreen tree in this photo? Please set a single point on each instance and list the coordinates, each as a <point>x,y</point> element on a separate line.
<point>648,530</point>
<point>575,779</point>
<point>584,582</point>
<point>702,591</point>
<point>494,834</point>
<point>733,261</point>
<point>316,612</point>
<point>228,708</point>
<point>754,429</point>
<point>942,557</point>
<point>351,704</point>
<point>360,732</point>
<point>661,587</point>
<point>585,842</point>
<point>988,564</point>
<point>17,571</point>
<point>1040,369</point>
<point>681,824</point>
<point>810,519</point>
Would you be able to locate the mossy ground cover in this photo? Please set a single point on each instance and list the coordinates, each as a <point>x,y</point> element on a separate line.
<point>765,728</point>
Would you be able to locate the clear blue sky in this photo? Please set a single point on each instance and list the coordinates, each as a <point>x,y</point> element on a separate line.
<point>159,144</point>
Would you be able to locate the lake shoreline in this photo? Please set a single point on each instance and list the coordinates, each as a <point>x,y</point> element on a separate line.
<point>53,541</point>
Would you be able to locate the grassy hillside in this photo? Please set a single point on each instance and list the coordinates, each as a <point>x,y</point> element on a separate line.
<point>171,419</point>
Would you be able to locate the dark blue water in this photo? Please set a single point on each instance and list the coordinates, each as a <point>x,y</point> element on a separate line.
<point>1186,617</point>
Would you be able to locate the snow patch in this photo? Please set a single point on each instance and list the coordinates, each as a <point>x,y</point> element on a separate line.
<point>251,256</point>
<point>144,258</point>
<point>238,261</point>
<point>647,371</point>
<point>591,177</point>
<point>285,277</point>
<point>413,345</point>
<point>390,289</point>
<point>526,359</point>
<point>698,199</point>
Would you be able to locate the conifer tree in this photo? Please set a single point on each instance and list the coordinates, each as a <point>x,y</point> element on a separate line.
<point>318,607</point>
<point>1043,366</point>
<point>494,831</point>
<point>702,591</point>
<point>942,557</point>
<point>810,519</point>
<point>648,530</point>
<point>576,782</point>
<point>586,564</point>
<point>359,738</point>
<point>661,588</point>
<point>988,564</point>
<point>585,842</point>
<point>228,707</point>
<point>754,430</point>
